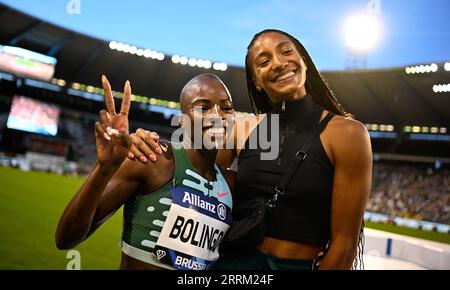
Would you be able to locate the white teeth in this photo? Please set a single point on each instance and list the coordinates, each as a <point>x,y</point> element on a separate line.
<point>285,76</point>
<point>216,131</point>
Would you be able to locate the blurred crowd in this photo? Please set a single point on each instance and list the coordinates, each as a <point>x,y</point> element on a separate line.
<point>408,190</point>
<point>411,191</point>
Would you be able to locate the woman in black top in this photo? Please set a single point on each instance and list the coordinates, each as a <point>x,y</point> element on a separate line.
<point>324,204</point>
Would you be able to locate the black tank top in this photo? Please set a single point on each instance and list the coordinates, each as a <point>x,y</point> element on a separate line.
<point>303,214</point>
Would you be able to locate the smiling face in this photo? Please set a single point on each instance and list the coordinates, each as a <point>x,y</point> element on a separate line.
<point>207,103</point>
<point>277,67</point>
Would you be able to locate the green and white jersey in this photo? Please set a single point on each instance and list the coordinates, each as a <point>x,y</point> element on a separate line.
<point>180,225</point>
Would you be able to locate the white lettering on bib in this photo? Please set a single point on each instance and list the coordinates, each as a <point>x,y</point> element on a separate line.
<point>193,230</point>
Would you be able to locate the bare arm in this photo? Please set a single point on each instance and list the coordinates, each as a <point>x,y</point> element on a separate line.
<point>105,190</point>
<point>101,194</point>
<point>352,181</point>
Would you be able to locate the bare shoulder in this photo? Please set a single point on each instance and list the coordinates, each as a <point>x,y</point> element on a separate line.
<point>348,128</point>
<point>348,135</point>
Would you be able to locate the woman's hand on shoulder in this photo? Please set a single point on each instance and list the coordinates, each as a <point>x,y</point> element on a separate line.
<point>145,146</point>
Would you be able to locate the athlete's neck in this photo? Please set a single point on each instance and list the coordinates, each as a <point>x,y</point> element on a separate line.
<point>202,160</point>
<point>295,96</point>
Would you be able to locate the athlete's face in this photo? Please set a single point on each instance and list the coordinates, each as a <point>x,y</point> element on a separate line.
<point>209,104</point>
<point>277,67</point>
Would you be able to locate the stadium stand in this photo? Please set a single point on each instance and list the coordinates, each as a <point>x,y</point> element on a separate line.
<point>407,120</point>
<point>411,191</point>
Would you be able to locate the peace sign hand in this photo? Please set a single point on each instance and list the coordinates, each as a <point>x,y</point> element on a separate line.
<point>111,132</point>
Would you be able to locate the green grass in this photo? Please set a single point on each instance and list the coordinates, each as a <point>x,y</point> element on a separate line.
<point>30,206</point>
<point>416,233</point>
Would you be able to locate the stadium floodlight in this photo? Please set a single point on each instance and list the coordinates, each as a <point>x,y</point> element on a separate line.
<point>220,66</point>
<point>61,82</point>
<point>192,61</point>
<point>444,88</point>
<point>160,56</point>
<point>416,129</point>
<point>183,60</point>
<point>421,68</point>
<point>390,128</point>
<point>200,63</point>
<point>176,58</point>
<point>434,130</point>
<point>126,48</point>
<point>133,49</point>
<point>119,46</point>
<point>207,64</point>
<point>443,130</point>
<point>172,105</point>
<point>447,66</point>
<point>90,89</point>
<point>147,53</point>
<point>153,54</point>
<point>362,31</point>
<point>434,67</point>
<point>113,44</point>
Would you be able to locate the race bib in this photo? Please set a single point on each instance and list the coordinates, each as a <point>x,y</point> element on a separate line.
<point>195,226</point>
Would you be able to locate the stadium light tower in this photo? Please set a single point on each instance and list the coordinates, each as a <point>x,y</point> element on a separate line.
<point>362,32</point>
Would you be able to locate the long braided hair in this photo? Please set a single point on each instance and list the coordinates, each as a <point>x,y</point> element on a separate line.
<point>321,94</point>
<point>315,84</point>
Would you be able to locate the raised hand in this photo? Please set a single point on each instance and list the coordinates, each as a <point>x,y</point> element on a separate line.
<point>111,132</point>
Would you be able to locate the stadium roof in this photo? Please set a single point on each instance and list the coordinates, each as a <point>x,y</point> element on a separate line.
<point>387,96</point>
